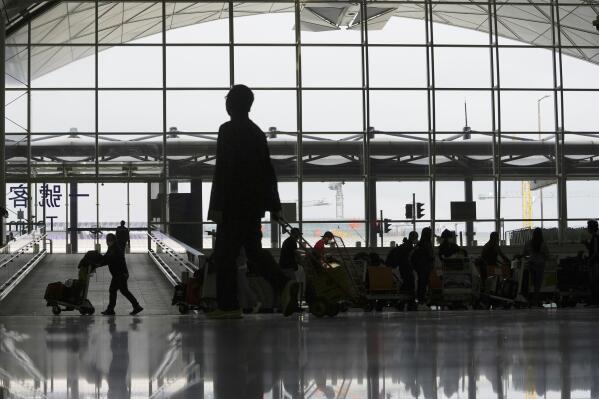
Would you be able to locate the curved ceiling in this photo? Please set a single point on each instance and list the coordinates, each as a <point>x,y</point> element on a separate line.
<point>122,22</point>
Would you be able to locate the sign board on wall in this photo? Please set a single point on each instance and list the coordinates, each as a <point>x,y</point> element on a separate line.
<point>289,211</point>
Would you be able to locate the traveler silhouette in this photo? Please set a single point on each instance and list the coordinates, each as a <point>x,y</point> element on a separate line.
<point>244,187</point>
<point>115,259</point>
<point>122,236</point>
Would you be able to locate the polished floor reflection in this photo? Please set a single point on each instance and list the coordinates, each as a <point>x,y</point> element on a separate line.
<point>503,354</point>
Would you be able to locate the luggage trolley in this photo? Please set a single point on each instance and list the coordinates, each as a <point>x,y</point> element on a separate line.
<point>331,286</point>
<point>549,289</point>
<point>460,286</point>
<point>61,297</point>
<point>574,281</point>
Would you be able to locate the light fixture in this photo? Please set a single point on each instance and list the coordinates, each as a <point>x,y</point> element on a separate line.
<point>73,133</point>
<point>596,23</point>
<point>172,133</point>
<point>272,132</point>
<point>371,130</point>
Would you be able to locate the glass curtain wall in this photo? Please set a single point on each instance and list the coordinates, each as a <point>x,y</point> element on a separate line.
<point>363,104</point>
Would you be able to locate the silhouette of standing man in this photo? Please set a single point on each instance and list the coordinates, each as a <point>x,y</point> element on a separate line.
<point>244,187</point>
<point>122,236</point>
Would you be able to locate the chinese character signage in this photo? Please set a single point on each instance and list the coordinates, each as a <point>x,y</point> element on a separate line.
<point>18,195</point>
<point>50,196</point>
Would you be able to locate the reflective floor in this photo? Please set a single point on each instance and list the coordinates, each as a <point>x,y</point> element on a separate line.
<point>501,354</point>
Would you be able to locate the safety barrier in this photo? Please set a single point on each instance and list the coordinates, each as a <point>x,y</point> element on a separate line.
<point>162,246</point>
<point>14,271</point>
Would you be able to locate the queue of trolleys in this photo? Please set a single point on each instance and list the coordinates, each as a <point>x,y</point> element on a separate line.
<point>341,282</point>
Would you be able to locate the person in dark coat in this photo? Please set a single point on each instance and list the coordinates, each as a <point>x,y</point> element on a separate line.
<point>122,236</point>
<point>422,259</point>
<point>244,187</point>
<point>115,259</point>
<point>287,260</point>
<point>399,258</point>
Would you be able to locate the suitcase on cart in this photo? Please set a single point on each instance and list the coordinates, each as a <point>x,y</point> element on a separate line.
<point>55,291</point>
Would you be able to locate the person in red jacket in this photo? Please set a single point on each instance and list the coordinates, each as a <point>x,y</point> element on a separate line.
<point>326,238</point>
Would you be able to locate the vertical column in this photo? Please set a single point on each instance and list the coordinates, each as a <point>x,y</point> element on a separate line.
<point>73,213</point>
<point>165,171</point>
<point>298,89</point>
<point>469,224</point>
<point>2,132</point>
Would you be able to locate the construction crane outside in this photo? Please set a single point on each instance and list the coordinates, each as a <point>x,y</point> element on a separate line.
<point>338,188</point>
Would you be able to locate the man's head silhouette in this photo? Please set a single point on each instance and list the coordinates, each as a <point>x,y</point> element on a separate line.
<point>239,101</point>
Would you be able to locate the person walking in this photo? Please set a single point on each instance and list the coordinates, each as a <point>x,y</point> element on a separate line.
<point>537,252</point>
<point>115,259</point>
<point>122,236</point>
<point>244,187</point>
<point>422,259</point>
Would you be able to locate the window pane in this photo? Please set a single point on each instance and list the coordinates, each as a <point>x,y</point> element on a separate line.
<point>409,28</point>
<point>191,22</point>
<point>196,111</point>
<point>580,111</point>
<point>15,118</point>
<point>325,22</point>
<point>265,66</point>
<point>335,111</point>
<point>520,111</point>
<point>582,199</point>
<point>15,66</point>
<point>333,201</point>
<point>445,193</point>
<point>399,110</point>
<point>392,198</point>
<point>124,22</point>
<point>130,67</point>
<point>70,66</point>
<point>450,110</point>
<point>66,22</point>
<point>275,108</point>
<point>130,111</point>
<point>197,66</point>
<point>276,26</point>
<point>462,67</point>
<point>397,67</point>
<point>537,74</point>
<point>469,18</point>
<point>59,111</point>
<point>331,66</point>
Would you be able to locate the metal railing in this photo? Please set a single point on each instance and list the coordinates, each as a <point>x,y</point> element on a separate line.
<point>17,263</point>
<point>169,260</point>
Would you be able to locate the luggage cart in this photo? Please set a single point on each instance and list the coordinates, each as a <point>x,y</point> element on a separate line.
<point>500,289</point>
<point>460,287</point>
<point>574,277</point>
<point>383,287</point>
<point>330,286</point>
<point>62,298</point>
<point>549,289</point>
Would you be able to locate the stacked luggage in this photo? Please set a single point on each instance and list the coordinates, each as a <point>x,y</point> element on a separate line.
<point>72,294</point>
